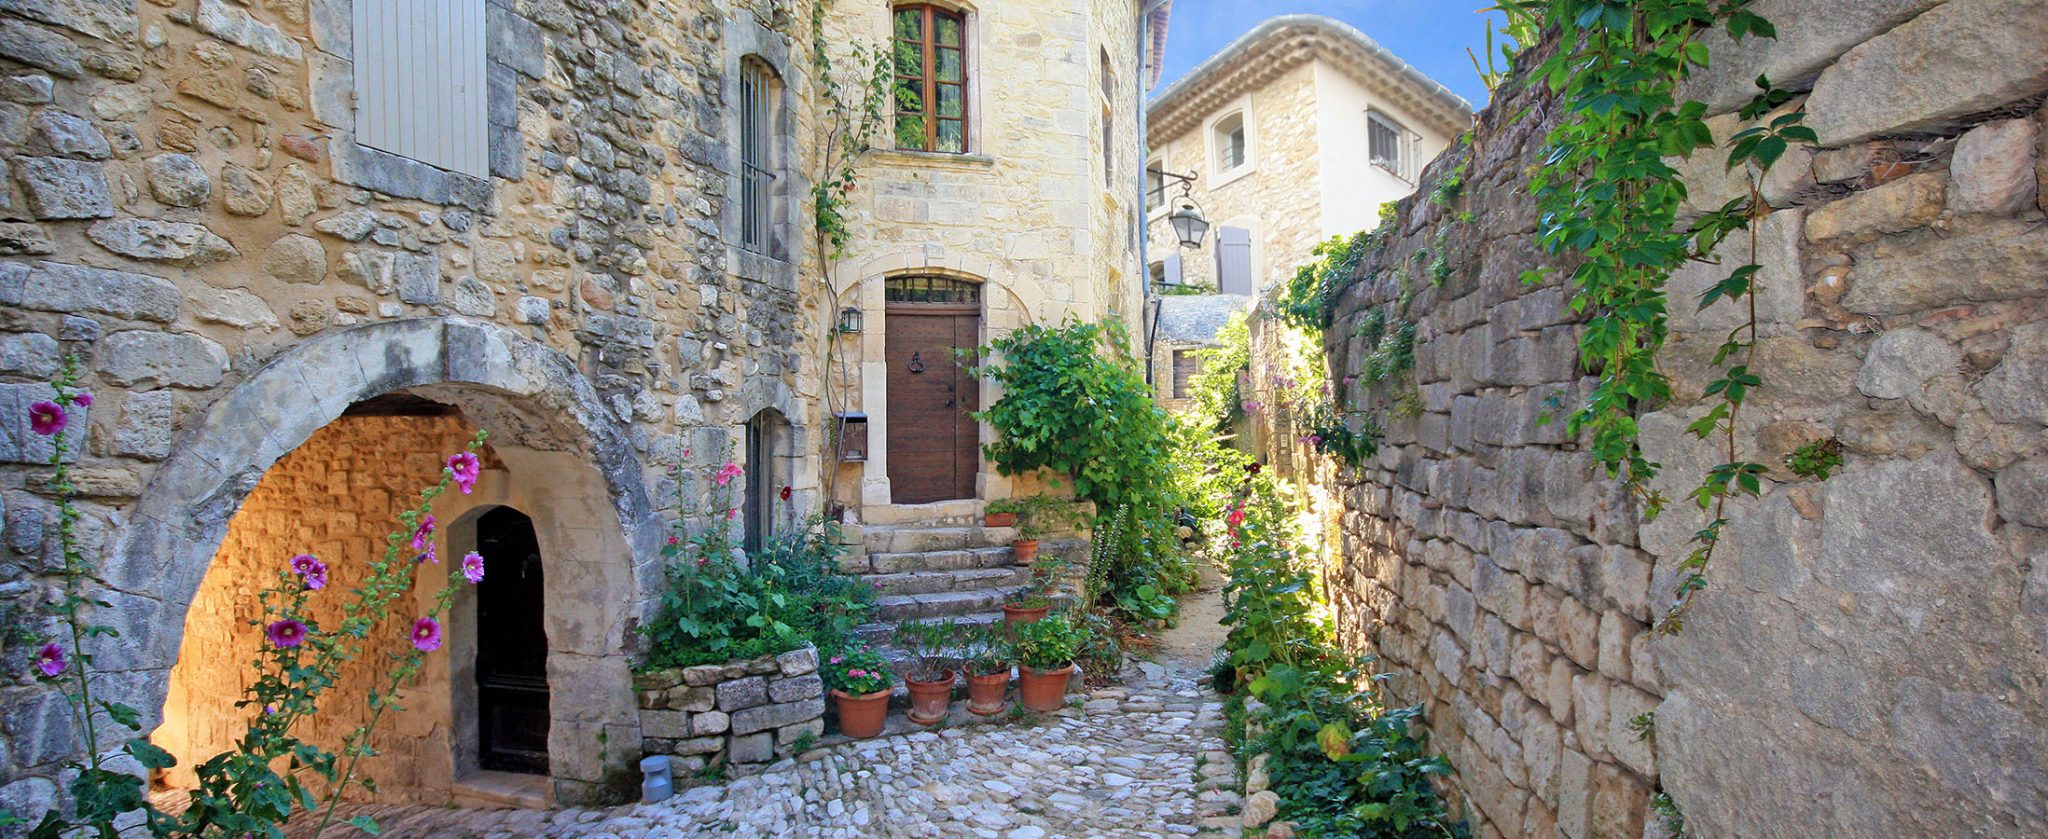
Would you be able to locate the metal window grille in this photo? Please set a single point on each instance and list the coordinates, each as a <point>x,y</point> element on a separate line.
<point>1384,139</point>
<point>923,289</point>
<point>757,177</point>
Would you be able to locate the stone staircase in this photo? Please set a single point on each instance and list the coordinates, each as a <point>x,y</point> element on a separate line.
<point>937,562</point>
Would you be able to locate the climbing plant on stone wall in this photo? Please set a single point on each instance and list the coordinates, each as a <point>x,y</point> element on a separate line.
<point>1608,200</point>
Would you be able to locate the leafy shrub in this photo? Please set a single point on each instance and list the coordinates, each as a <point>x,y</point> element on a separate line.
<point>1217,403</point>
<point>720,606</point>
<point>1051,643</point>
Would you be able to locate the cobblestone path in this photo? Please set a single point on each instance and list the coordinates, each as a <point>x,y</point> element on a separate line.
<point>1143,761</point>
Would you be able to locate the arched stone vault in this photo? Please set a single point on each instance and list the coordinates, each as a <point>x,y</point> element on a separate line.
<point>547,424</point>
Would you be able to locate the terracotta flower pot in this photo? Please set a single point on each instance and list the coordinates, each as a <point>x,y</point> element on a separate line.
<point>861,716</point>
<point>999,519</point>
<point>1043,690</point>
<point>985,693</point>
<point>928,700</point>
<point>1019,614</point>
<point>1023,551</point>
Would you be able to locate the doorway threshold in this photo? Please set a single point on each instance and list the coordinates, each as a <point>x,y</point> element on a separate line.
<point>488,788</point>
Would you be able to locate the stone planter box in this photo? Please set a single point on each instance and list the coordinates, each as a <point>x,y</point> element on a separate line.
<point>746,713</point>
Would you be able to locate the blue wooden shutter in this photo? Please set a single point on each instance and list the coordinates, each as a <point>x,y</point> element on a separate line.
<point>1234,260</point>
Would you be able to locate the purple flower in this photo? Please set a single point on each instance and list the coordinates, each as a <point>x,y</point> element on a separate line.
<point>423,533</point>
<point>428,555</point>
<point>81,399</point>
<point>50,660</point>
<point>315,571</point>
<point>464,468</point>
<point>46,418</point>
<point>285,634</point>
<point>473,567</point>
<point>426,634</point>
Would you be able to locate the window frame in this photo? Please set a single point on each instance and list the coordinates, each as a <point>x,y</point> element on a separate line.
<point>928,84</point>
<point>760,164</point>
<point>1375,118</point>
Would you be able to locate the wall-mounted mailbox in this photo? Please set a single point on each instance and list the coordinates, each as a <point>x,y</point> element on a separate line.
<point>853,437</point>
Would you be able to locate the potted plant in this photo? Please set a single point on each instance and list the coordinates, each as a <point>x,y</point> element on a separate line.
<point>860,690</point>
<point>986,659</point>
<point>1046,651</point>
<point>1036,514</point>
<point>930,677</point>
<point>1030,603</point>
<point>1001,513</point>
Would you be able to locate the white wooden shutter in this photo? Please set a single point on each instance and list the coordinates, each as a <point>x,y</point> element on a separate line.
<point>1234,260</point>
<point>420,90</point>
<point>1173,275</point>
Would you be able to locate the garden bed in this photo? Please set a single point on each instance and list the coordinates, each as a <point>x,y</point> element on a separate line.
<point>740,715</point>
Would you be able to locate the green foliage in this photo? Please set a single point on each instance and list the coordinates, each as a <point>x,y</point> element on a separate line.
<point>1674,821</point>
<point>1206,469</point>
<point>931,646</point>
<point>851,121</point>
<point>1349,765</point>
<point>717,607</point>
<point>985,649</point>
<point>1306,301</point>
<point>1050,643</point>
<point>1817,460</point>
<point>1037,594</point>
<point>1218,405</point>
<point>1038,515</point>
<point>856,670</point>
<point>1075,402</point>
<point>1607,198</point>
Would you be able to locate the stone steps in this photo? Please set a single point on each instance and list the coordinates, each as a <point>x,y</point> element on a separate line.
<point>960,560</point>
<point>904,607</point>
<point>877,634</point>
<point>934,582</point>
<point>893,539</point>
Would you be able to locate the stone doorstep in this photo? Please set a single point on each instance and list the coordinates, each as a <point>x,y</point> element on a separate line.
<point>489,790</point>
<point>967,511</point>
<point>882,539</point>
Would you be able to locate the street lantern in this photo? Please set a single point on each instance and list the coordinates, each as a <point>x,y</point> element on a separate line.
<point>849,320</point>
<point>1189,225</point>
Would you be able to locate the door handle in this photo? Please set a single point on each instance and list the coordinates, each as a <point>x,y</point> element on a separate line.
<point>949,403</point>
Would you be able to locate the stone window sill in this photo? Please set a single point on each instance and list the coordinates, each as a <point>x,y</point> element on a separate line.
<point>935,159</point>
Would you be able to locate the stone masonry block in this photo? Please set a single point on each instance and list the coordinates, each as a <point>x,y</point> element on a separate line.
<point>742,693</point>
<point>766,717</point>
<point>796,688</point>
<point>1916,77</point>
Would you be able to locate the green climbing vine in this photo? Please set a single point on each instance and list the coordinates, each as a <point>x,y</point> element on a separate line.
<point>1608,198</point>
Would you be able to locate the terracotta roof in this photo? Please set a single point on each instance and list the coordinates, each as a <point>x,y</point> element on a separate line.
<point>1283,43</point>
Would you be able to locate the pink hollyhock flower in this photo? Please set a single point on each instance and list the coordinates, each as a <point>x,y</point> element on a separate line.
<point>732,514</point>
<point>1236,516</point>
<point>728,472</point>
<point>473,567</point>
<point>428,555</point>
<point>285,634</point>
<point>836,659</point>
<point>50,660</point>
<point>463,467</point>
<point>81,399</point>
<point>47,419</point>
<point>423,532</point>
<point>426,634</point>
<point>673,540</point>
<point>312,569</point>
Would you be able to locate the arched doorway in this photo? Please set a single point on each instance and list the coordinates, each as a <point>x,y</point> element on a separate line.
<point>511,646</point>
<point>767,473</point>
<point>577,475</point>
<point>934,444</point>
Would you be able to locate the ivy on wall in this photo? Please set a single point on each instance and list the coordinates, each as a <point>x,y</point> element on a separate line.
<point>1607,198</point>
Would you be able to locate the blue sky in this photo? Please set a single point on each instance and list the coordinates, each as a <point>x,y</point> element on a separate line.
<point>1430,34</point>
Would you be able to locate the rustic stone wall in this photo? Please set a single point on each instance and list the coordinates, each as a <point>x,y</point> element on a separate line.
<point>1867,658</point>
<point>334,497</point>
<point>741,714</point>
<point>184,207</point>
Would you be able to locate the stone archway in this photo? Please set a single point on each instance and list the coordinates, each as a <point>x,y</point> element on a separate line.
<point>586,486</point>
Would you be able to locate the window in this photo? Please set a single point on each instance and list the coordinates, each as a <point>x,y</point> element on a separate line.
<point>1155,185</point>
<point>1230,142</point>
<point>419,82</point>
<point>930,290</point>
<point>767,450</point>
<point>1186,363</point>
<point>931,79</point>
<point>1386,141</point>
<point>760,94</point>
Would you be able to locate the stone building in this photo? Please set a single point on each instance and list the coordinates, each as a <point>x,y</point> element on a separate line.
<point>1183,326</point>
<point>1866,658</point>
<point>304,248</point>
<point>1295,132</point>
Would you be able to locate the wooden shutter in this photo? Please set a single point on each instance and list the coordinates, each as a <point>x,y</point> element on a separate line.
<point>1234,260</point>
<point>1185,365</point>
<point>419,74</point>
<point>1173,275</point>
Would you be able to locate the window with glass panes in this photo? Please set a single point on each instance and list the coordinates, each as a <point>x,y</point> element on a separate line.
<point>931,79</point>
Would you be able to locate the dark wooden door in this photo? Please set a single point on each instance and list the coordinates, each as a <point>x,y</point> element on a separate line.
<point>934,446</point>
<point>511,646</point>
